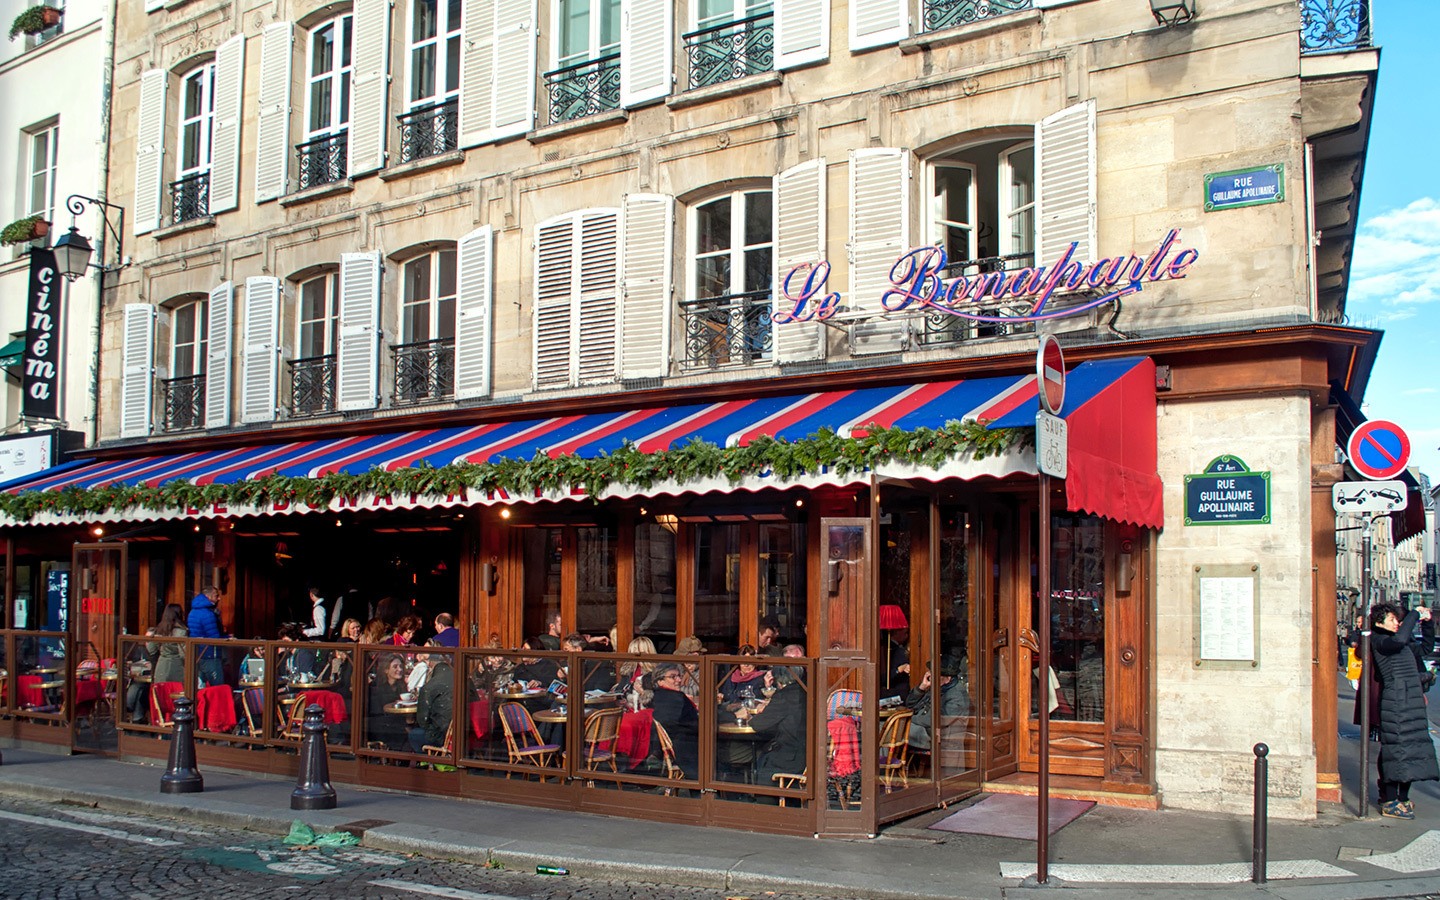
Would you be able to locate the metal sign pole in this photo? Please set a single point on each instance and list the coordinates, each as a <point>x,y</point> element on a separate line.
<point>1042,794</point>
<point>1365,670</point>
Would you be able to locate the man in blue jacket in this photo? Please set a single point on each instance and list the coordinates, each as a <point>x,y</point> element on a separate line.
<point>204,622</point>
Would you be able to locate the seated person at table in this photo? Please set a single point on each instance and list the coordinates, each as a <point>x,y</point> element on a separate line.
<point>169,658</point>
<point>954,701</point>
<point>381,726</point>
<point>294,663</point>
<point>782,721</point>
<point>436,707</point>
<point>678,714</point>
<point>419,671</point>
<point>743,686</point>
<point>492,673</point>
<point>598,676</point>
<point>690,645</point>
<point>535,673</point>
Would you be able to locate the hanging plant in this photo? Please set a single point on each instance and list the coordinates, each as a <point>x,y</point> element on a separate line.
<point>24,230</point>
<point>695,461</point>
<point>34,20</point>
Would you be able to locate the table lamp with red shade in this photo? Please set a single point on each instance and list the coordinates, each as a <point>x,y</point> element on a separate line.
<point>892,618</point>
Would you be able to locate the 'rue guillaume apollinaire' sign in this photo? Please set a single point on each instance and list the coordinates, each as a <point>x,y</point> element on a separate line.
<point>1227,493</point>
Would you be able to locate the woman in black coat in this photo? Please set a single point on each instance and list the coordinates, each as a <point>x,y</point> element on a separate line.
<point>1406,751</point>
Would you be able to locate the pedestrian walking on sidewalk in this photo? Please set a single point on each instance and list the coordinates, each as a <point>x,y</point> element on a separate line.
<point>1406,752</point>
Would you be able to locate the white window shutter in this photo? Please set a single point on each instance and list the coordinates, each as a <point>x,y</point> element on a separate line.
<point>357,364</point>
<point>554,283</point>
<point>229,107</point>
<point>597,340</point>
<point>477,71</point>
<point>1065,183</point>
<point>272,132</point>
<point>879,235</point>
<point>370,87</point>
<point>875,23</point>
<point>217,355</point>
<point>475,303</point>
<point>137,380</point>
<point>647,251</point>
<point>646,50</point>
<point>802,32</point>
<point>153,5</point>
<point>150,151</point>
<point>260,368</point>
<point>799,238</point>
<point>514,73</point>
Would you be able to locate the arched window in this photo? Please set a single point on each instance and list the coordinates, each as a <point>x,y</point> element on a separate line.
<point>727,310</point>
<point>329,69</point>
<point>425,356</point>
<point>183,391</point>
<point>312,371</point>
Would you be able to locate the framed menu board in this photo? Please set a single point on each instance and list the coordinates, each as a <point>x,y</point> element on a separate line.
<point>1226,602</point>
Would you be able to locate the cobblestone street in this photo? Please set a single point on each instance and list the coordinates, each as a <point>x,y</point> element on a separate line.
<point>64,851</point>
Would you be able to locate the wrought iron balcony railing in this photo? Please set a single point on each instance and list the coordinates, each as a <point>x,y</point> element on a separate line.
<point>312,385</point>
<point>943,328</point>
<point>942,14</point>
<point>1327,26</point>
<point>323,160</point>
<point>731,331</point>
<point>429,130</point>
<point>731,50</point>
<point>424,371</point>
<point>190,198</point>
<point>184,402</point>
<point>584,89</point>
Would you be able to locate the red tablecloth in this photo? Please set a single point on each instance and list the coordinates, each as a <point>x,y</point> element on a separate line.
<point>634,738</point>
<point>331,702</point>
<point>88,690</point>
<point>480,718</point>
<point>30,693</point>
<point>215,709</point>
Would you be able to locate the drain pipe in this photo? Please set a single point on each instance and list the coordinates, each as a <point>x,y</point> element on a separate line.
<point>107,84</point>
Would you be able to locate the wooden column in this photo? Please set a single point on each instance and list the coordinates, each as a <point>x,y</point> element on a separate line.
<point>1325,662</point>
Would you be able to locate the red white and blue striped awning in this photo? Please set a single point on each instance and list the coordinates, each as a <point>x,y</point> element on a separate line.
<point>1006,402</point>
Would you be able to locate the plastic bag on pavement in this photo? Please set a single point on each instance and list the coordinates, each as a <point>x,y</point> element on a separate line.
<point>336,839</point>
<point>304,836</point>
<point>300,834</point>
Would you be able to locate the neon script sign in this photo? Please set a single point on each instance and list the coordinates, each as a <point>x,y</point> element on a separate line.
<point>1026,293</point>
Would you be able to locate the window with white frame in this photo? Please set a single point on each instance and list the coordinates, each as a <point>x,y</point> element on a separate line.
<point>191,191</point>
<point>329,69</point>
<point>41,156</point>
<point>425,357</point>
<point>430,123</point>
<point>318,316</point>
<point>727,312</point>
<point>982,214</point>
<point>587,49</point>
<point>183,393</point>
<point>732,39</point>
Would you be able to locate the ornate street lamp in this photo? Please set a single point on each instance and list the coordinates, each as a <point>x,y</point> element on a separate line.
<point>1172,12</point>
<point>73,250</point>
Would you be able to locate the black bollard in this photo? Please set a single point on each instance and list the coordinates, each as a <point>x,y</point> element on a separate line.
<point>312,786</point>
<point>1262,795</point>
<point>182,777</point>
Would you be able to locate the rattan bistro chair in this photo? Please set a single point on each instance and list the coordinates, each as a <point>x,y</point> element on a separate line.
<point>667,757</point>
<point>293,716</point>
<point>894,751</point>
<point>522,739</point>
<point>601,731</point>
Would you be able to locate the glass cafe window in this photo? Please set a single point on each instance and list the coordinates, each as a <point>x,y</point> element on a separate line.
<point>717,586</point>
<point>654,596</point>
<point>595,595</point>
<point>782,580</point>
<point>542,553</point>
<point>1077,618</point>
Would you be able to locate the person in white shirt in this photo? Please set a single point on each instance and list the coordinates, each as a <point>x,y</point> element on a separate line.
<point>319,621</point>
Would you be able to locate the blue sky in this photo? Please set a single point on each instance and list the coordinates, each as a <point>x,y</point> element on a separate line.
<point>1395,276</point>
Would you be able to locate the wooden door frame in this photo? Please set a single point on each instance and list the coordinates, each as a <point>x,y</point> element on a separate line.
<point>119,574</point>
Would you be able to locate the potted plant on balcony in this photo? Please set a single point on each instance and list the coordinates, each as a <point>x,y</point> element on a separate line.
<point>34,20</point>
<point>24,230</point>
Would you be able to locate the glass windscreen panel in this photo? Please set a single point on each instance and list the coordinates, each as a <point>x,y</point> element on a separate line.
<point>1076,689</point>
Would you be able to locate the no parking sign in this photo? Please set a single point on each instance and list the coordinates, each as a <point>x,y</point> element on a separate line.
<point>1379,450</point>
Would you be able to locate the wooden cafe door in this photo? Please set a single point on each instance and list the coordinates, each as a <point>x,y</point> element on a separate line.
<point>97,606</point>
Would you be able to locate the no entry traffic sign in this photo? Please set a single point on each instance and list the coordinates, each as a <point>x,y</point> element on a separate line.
<point>1050,372</point>
<point>1379,450</point>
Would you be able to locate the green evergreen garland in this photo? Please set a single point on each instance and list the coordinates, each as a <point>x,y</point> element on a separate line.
<point>523,477</point>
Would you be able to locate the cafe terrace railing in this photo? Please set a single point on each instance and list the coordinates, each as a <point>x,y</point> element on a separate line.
<point>1330,26</point>
<point>184,402</point>
<point>33,677</point>
<point>510,709</point>
<point>731,50</point>
<point>941,14</point>
<point>584,89</point>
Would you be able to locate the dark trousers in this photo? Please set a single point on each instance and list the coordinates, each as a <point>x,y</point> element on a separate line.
<point>1394,790</point>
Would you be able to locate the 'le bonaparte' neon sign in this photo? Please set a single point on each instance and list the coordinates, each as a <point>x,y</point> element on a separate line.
<point>917,281</point>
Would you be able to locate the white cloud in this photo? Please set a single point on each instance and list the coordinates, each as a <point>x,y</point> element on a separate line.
<point>1396,264</point>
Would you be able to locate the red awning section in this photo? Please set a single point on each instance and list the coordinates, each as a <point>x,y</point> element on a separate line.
<point>1110,405</point>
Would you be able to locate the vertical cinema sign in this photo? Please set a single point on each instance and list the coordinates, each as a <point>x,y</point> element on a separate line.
<point>40,380</point>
